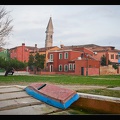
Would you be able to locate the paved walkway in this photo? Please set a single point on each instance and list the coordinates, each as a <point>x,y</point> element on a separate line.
<point>17,73</point>
<point>115,88</point>
<point>15,101</point>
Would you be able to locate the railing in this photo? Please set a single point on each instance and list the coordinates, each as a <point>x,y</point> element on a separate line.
<point>49,60</point>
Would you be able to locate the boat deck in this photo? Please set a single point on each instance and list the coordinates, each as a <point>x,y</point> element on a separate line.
<point>15,101</point>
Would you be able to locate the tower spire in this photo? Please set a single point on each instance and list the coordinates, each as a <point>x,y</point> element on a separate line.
<point>49,34</point>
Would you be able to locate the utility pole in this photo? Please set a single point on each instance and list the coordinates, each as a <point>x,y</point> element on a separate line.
<point>87,65</point>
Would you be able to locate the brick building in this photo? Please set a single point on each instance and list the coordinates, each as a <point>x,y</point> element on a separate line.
<point>73,61</point>
<point>22,52</point>
<point>110,52</point>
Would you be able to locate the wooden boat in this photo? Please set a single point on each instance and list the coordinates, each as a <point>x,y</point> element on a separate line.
<point>52,94</point>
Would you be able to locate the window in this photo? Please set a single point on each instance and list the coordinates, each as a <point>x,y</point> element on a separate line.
<point>74,66</point>
<point>116,56</point>
<point>70,66</point>
<point>51,57</point>
<point>60,55</point>
<point>82,55</point>
<point>119,57</point>
<point>65,67</point>
<point>66,55</point>
<point>51,36</point>
<point>112,56</point>
<point>46,64</point>
<point>90,66</point>
<point>60,67</point>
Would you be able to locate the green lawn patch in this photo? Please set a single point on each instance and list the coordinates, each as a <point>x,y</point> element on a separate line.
<point>64,79</point>
<point>108,81</point>
<point>105,92</point>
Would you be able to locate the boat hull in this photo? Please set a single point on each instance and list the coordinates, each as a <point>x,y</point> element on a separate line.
<point>53,98</point>
<point>53,102</point>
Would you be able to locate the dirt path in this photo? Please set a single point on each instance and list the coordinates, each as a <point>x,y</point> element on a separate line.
<point>82,87</point>
<point>73,87</point>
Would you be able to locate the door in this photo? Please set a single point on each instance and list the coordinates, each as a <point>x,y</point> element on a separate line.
<point>51,68</point>
<point>82,70</point>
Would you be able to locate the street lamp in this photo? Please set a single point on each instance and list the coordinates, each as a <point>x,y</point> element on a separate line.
<point>87,65</point>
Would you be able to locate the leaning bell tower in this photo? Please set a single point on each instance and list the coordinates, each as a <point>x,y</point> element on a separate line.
<point>49,34</point>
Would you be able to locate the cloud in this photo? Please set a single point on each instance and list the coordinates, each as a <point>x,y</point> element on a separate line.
<point>73,24</point>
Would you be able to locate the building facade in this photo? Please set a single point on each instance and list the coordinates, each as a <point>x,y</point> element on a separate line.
<point>111,54</point>
<point>71,61</point>
<point>44,51</point>
<point>21,53</point>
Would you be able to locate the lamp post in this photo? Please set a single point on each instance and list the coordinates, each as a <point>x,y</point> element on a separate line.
<point>87,65</point>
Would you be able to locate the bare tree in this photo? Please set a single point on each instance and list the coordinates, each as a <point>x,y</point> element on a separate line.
<point>5,25</point>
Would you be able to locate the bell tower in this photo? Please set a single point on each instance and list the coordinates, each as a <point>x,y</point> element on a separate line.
<point>49,34</point>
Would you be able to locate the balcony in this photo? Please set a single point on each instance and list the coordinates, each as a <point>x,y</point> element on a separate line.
<point>49,60</point>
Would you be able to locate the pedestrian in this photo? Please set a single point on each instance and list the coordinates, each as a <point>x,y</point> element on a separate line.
<point>12,70</point>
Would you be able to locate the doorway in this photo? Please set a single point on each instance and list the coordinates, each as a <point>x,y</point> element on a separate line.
<point>51,68</point>
<point>82,70</point>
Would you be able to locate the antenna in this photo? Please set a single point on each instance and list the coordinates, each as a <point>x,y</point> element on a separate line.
<point>60,42</point>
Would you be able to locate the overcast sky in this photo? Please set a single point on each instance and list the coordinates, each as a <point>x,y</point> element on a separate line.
<point>73,24</point>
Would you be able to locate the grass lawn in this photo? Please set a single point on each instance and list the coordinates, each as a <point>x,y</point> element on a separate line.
<point>107,80</point>
<point>110,80</point>
<point>105,92</point>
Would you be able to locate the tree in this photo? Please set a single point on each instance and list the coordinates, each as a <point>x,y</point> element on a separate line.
<point>8,64</point>
<point>103,61</point>
<point>36,61</point>
<point>5,25</point>
<point>115,66</point>
<point>31,62</point>
<point>39,61</point>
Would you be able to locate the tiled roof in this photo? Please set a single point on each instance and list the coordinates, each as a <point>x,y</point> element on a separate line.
<point>94,48</point>
<point>78,46</point>
<point>43,49</point>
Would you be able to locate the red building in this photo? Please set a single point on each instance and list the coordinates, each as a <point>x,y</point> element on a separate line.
<point>21,53</point>
<point>111,54</point>
<point>78,61</point>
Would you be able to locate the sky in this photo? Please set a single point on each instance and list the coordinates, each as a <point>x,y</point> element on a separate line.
<point>73,25</point>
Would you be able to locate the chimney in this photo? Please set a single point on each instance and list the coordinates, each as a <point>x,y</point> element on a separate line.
<point>62,46</point>
<point>107,58</point>
<point>23,44</point>
<point>36,45</point>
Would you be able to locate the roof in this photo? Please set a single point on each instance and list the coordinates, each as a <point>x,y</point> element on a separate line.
<point>49,26</point>
<point>79,46</point>
<point>44,49</point>
<point>84,58</point>
<point>94,48</point>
